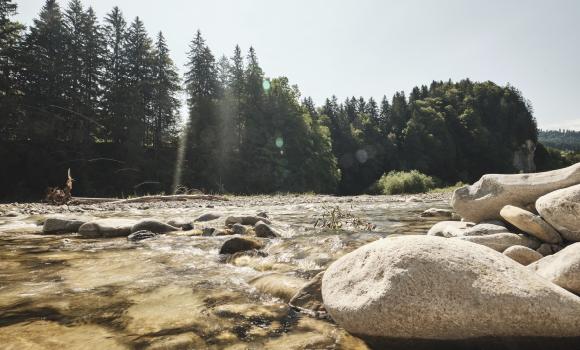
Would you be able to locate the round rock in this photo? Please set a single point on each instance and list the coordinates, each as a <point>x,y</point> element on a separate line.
<point>523,255</point>
<point>530,223</point>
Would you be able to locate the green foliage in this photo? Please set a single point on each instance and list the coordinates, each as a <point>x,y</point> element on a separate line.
<point>567,140</point>
<point>399,182</point>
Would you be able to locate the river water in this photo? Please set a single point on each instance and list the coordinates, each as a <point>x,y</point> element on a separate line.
<point>175,291</point>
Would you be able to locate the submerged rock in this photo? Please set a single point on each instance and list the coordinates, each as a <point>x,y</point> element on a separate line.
<point>562,268</point>
<point>424,287</point>
<point>523,255</point>
<point>240,244</point>
<point>561,209</point>
<point>61,225</point>
<point>484,199</point>
<point>141,235</point>
<point>531,224</point>
<point>502,241</point>
<point>277,284</point>
<point>153,225</point>
<point>309,298</point>
<point>111,227</point>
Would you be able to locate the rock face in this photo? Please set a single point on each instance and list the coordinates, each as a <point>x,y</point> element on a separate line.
<point>502,241</point>
<point>154,226</point>
<point>107,228</point>
<point>240,244</point>
<point>561,209</point>
<point>530,223</point>
<point>523,255</point>
<point>309,298</point>
<point>562,268</point>
<point>60,225</point>
<point>484,199</point>
<point>523,160</point>
<point>264,230</point>
<point>424,287</point>
<point>450,228</point>
<point>246,220</point>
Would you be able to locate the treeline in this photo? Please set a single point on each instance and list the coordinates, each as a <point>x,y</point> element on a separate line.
<point>567,140</point>
<point>102,98</point>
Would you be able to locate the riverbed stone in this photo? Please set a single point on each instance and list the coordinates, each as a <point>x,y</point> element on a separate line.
<point>283,286</point>
<point>486,228</point>
<point>439,213</point>
<point>207,217</point>
<point>239,229</point>
<point>530,224</point>
<point>245,220</point>
<point>141,235</point>
<point>484,199</point>
<point>308,299</point>
<point>561,268</point>
<point>449,228</point>
<point>240,244</point>
<point>182,223</point>
<point>561,209</point>
<point>61,225</point>
<point>502,241</point>
<point>154,226</point>
<point>523,255</point>
<point>110,227</point>
<point>265,231</point>
<point>425,287</point>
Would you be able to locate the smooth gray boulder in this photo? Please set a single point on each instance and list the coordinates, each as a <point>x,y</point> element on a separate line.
<point>239,229</point>
<point>425,287</point>
<point>561,209</point>
<point>502,241</point>
<point>484,199</point>
<point>562,268</point>
<point>110,227</point>
<point>531,224</point>
<point>523,255</point>
<point>61,225</point>
<point>486,228</point>
<point>154,226</point>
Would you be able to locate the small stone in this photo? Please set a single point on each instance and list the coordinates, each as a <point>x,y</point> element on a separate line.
<point>265,231</point>
<point>530,224</point>
<point>263,214</point>
<point>208,231</point>
<point>545,249</point>
<point>12,214</point>
<point>207,217</point>
<point>240,244</point>
<point>523,255</point>
<point>141,235</point>
<point>239,229</point>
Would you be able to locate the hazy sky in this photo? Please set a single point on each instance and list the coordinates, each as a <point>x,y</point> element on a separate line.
<point>372,48</point>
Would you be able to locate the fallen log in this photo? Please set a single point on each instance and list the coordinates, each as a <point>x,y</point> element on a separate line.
<point>148,199</point>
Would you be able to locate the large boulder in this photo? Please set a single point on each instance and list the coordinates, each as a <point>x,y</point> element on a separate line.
<point>484,199</point>
<point>562,268</point>
<point>427,288</point>
<point>531,224</point>
<point>502,241</point>
<point>111,227</point>
<point>561,209</point>
<point>61,225</point>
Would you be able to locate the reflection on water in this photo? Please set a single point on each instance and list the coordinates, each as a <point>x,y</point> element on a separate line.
<point>174,292</point>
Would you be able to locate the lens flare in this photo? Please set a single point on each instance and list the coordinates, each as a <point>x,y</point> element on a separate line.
<point>362,156</point>
<point>266,85</point>
<point>279,142</point>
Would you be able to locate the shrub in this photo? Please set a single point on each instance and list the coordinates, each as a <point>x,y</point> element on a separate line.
<point>397,182</point>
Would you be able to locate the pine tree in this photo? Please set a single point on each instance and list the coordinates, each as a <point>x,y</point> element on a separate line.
<point>202,87</point>
<point>165,102</point>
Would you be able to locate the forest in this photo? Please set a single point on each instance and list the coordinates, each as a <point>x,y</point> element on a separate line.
<point>567,140</point>
<point>103,98</point>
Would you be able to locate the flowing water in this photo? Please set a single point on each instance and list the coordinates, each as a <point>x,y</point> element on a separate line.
<point>175,291</point>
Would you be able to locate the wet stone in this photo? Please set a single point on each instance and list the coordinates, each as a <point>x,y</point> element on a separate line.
<point>141,235</point>
<point>240,244</point>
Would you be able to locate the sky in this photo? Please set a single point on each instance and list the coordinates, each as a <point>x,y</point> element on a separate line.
<point>373,48</point>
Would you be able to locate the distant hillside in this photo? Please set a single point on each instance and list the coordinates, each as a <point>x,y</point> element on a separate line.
<point>568,140</point>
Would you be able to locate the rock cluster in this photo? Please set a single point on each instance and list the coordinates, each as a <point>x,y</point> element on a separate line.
<point>449,285</point>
